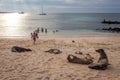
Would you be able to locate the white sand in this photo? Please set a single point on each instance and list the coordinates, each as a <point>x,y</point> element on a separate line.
<point>38,65</point>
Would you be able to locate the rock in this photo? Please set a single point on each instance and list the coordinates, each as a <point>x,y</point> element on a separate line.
<point>19,49</point>
<point>74,59</point>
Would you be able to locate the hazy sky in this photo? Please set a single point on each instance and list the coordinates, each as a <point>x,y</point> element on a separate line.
<point>59,6</point>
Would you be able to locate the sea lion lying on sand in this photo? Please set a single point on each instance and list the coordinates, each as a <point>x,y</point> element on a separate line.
<point>19,49</point>
<point>74,59</point>
<point>73,41</point>
<point>55,51</point>
<point>102,62</point>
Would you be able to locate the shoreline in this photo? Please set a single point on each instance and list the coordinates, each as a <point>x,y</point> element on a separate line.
<point>60,36</point>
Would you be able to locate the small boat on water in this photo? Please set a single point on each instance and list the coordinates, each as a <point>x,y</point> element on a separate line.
<point>42,14</point>
<point>110,22</point>
<point>21,12</point>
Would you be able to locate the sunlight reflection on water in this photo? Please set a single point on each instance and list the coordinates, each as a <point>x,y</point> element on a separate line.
<point>11,22</point>
<point>21,25</point>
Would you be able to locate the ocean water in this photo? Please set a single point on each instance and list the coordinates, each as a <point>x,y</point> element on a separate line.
<point>67,24</point>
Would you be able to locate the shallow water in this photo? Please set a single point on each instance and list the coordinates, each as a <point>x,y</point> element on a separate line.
<point>21,25</point>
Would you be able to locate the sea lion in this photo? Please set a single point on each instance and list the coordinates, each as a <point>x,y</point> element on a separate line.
<point>102,62</point>
<point>74,59</point>
<point>55,51</point>
<point>19,49</point>
<point>89,57</point>
<point>73,41</point>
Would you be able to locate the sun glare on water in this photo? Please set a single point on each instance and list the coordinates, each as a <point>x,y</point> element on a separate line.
<point>12,19</point>
<point>13,24</point>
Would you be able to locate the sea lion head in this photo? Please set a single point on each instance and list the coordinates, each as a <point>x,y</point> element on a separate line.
<point>100,51</point>
<point>102,54</point>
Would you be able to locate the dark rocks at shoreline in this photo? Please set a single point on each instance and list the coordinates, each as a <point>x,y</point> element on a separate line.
<point>116,29</point>
<point>110,22</point>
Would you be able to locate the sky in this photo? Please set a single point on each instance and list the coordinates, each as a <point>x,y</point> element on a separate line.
<point>61,6</point>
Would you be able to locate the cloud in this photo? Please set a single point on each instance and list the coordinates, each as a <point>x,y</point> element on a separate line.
<point>63,5</point>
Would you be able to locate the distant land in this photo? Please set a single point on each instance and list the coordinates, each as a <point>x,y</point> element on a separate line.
<point>5,12</point>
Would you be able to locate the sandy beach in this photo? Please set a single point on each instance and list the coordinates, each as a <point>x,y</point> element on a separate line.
<point>39,65</point>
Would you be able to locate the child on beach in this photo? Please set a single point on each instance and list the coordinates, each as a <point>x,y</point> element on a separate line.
<point>36,33</point>
<point>33,36</point>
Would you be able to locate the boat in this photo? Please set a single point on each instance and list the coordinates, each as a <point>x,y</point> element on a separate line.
<point>42,11</point>
<point>42,14</point>
<point>110,22</point>
<point>21,12</point>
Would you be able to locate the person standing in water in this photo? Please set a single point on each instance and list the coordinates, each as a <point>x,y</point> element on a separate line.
<point>46,30</point>
<point>53,32</point>
<point>37,30</point>
<point>42,30</point>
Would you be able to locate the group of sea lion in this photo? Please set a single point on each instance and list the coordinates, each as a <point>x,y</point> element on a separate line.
<point>88,59</point>
<point>100,65</point>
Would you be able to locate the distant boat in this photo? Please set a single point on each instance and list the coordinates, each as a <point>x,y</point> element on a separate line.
<point>5,12</point>
<point>21,12</point>
<point>42,14</point>
<point>42,11</point>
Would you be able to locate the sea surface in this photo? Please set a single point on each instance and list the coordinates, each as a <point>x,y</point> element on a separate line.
<point>67,24</point>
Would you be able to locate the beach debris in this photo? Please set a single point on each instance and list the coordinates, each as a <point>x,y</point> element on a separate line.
<point>19,49</point>
<point>102,62</point>
<point>55,51</point>
<point>74,59</point>
<point>78,52</point>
